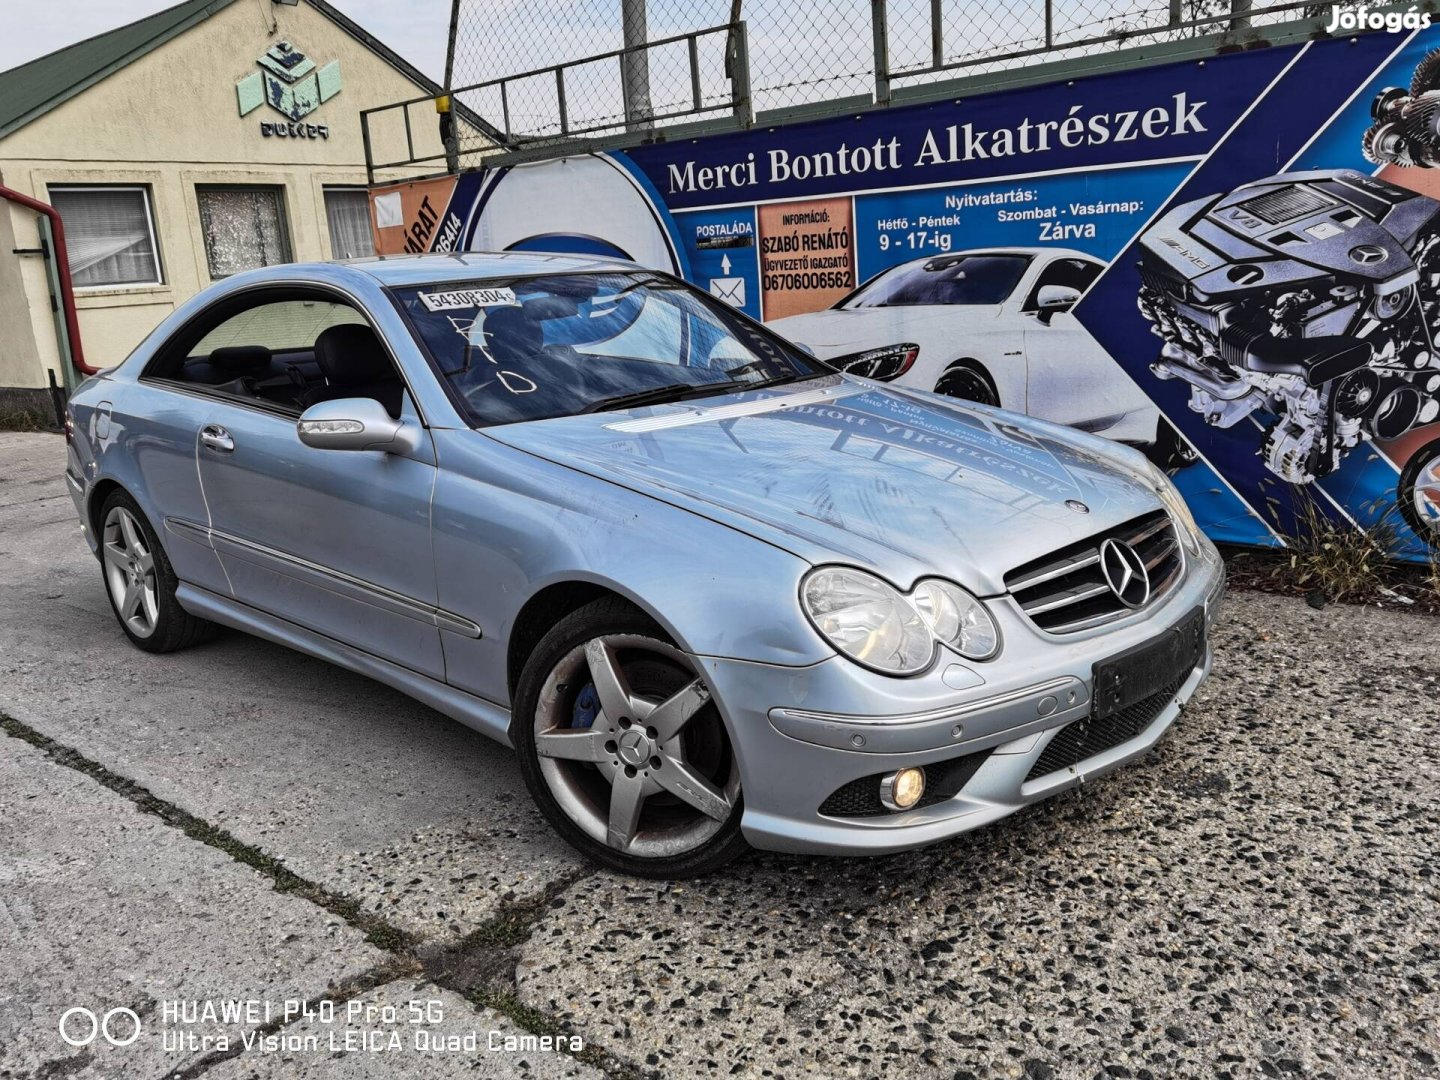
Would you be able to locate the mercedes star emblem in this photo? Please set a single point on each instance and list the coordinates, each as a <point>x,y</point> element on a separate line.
<point>1368,254</point>
<point>1125,573</point>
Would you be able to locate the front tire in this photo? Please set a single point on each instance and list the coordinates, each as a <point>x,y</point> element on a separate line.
<point>141,583</point>
<point>622,748</point>
<point>968,382</point>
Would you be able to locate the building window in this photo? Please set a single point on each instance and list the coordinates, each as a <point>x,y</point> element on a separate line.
<point>348,212</point>
<point>244,228</point>
<point>109,235</point>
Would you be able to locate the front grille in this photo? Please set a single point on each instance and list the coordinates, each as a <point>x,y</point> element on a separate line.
<point>1085,738</point>
<point>943,780</point>
<point>1066,590</point>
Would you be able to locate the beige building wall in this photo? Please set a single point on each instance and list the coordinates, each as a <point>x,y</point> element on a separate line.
<point>169,120</point>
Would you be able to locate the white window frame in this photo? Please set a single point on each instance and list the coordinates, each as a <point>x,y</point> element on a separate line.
<point>148,199</point>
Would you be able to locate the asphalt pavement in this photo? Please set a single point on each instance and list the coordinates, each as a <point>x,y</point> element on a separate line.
<point>239,823</point>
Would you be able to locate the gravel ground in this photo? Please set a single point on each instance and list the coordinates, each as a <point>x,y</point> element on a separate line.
<point>1256,897</point>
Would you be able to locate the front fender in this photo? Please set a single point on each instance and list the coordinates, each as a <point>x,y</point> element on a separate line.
<point>1001,353</point>
<point>507,525</point>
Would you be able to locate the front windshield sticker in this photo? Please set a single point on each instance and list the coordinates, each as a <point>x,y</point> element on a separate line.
<point>467,298</point>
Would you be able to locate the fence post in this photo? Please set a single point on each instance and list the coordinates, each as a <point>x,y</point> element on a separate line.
<point>635,64</point>
<point>740,76</point>
<point>937,33</point>
<point>449,130</point>
<point>880,31</point>
<point>1241,10</point>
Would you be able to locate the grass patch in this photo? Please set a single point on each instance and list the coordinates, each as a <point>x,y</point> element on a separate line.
<point>25,420</point>
<point>1329,559</point>
<point>1342,561</point>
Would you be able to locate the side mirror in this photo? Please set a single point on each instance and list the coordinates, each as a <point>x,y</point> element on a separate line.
<point>356,424</point>
<point>1055,298</point>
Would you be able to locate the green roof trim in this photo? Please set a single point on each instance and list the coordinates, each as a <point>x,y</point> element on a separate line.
<point>31,90</point>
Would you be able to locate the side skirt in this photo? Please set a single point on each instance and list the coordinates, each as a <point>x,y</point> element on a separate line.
<point>474,712</point>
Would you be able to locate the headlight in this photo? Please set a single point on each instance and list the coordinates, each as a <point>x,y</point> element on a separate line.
<point>873,623</point>
<point>1175,504</point>
<point>957,618</point>
<point>884,364</point>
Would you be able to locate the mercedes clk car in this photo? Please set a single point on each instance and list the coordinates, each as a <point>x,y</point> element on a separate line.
<point>714,593</point>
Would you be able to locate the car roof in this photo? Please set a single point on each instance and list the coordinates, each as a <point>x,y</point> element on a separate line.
<point>470,265</point>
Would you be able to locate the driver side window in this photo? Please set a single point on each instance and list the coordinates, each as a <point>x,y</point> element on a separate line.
<point>284,354</point>
<point>1074,274</point>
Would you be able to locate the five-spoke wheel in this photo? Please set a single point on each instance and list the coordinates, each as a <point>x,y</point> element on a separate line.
<point>129,571</point>
<point>140,582</point>
<point>623,748</point>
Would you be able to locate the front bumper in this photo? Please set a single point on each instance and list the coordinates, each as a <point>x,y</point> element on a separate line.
<point>803,733</point>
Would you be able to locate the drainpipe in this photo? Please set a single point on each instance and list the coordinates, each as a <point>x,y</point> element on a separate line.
<point>62,268</point>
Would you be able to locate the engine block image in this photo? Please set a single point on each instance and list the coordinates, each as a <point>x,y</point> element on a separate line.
<point>1310,299</point>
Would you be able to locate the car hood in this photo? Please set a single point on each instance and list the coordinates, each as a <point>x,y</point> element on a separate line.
<point>838,469</point>
<point>836,331</point>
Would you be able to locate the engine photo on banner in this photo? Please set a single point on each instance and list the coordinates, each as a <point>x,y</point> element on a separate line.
<point>1308,300</point>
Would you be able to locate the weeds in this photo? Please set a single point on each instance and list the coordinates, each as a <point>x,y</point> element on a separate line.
<point>23,420</point>
<point>1341,560</point>
<point>1330,558</point>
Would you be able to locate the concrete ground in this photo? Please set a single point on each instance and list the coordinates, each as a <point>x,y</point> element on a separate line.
<point>1256,897</point>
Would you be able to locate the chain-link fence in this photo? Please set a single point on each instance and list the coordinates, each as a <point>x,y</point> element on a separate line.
<point>545,72</point>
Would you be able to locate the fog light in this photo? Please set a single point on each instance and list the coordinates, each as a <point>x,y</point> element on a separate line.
<point>901,790</point>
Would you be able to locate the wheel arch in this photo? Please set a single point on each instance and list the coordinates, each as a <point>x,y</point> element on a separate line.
<point>95,498</point>
<point>552,602</point>
<point>981,368</point>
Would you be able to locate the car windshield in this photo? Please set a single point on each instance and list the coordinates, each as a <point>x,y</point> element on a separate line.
<point>529,348</point>
<point>949,279</point>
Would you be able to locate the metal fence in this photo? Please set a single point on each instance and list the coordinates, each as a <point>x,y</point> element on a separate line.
<point>546,73</point>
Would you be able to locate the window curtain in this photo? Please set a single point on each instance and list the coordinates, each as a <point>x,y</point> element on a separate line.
<point>107,236</point>
<point>348,212</point>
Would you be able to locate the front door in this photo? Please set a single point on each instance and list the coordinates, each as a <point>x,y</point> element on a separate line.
<point>337,541</point>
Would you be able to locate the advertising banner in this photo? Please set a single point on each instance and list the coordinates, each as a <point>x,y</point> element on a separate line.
<point>1232,264</point>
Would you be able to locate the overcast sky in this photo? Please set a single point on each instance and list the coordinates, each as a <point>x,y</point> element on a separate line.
<point>414,28</point>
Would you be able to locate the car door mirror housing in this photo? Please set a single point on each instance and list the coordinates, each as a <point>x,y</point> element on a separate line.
<point>1054,298</point>
<point>356,424</point>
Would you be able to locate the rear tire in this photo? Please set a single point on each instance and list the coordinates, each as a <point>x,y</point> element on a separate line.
<point>968,382</point>
<point>141,583</point>
<point>622,748</point>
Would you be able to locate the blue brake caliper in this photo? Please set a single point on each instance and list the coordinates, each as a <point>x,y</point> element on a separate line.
<point>587,707</point>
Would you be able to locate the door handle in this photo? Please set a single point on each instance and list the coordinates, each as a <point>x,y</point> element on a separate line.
<point>216,438</point>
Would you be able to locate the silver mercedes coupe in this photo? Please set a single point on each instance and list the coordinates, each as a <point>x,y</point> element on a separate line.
<point>712,592</point>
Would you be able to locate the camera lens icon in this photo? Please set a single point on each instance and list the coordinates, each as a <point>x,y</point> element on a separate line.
<point>80,1027</point>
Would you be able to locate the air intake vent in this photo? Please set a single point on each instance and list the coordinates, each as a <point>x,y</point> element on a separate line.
<point>1084,739</point>
<point>1285,204</point>
<point>1068,591</point>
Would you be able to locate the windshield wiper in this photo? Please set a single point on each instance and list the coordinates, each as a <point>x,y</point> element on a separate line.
<point>657,395</point>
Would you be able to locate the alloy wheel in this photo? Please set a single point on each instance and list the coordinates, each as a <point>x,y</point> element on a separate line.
<point>1425,499</point>
<point>633,749</point>
<point>130,571</point>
